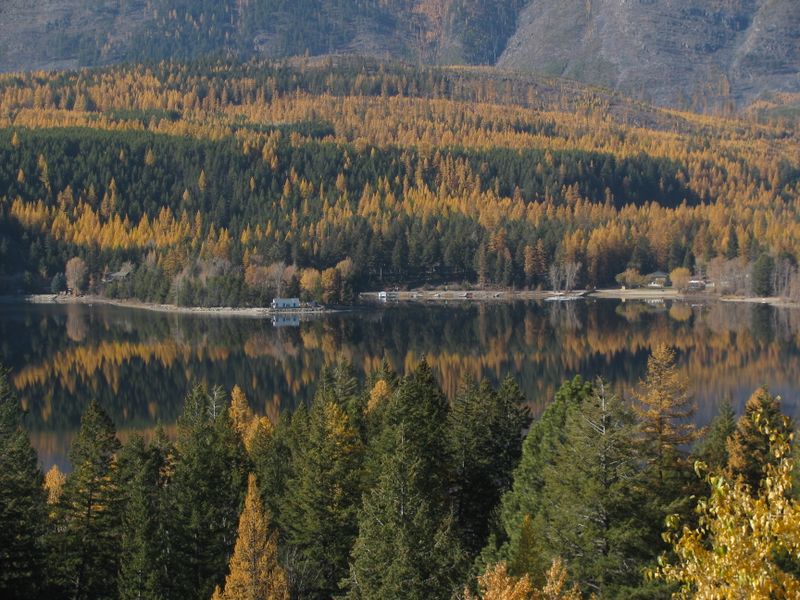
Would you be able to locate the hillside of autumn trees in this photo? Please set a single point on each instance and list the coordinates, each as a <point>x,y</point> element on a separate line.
<point>216,183</point>
<point>392,489</point>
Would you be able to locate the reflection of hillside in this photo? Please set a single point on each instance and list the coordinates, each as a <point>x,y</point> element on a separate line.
<point>141,368</point>
<point>86,364</point>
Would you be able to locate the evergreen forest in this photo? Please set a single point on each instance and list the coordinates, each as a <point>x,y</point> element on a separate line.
<point>388,488</point>
<point>227,183</point>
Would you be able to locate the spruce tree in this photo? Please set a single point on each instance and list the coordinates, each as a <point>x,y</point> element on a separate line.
<point>319,514</point>
<point>23,511</point>
<point>484,434</point>
<point>419,404</point>
<point>748,448</point>
<point>713,450</point>
<point>406,546</point>
<point>254,572</point>
<point>591,514</point>
<point>89,512</point>
<point>206,494</point>
<point>523,500</point>
<point>144,523</point>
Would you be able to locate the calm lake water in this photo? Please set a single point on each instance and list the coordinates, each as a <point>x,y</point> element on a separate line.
<point>139,364</point>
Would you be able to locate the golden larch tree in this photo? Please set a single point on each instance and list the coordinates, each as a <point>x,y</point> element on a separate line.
<point>254,572</point>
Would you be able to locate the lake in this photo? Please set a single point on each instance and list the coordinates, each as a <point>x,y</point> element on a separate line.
<point>139,364</point>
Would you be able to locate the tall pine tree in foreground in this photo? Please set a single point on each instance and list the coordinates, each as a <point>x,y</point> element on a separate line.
<point>591,512</point>
<point>23,511</point>
<point>514,540</point>
<point>406,546</point>
<point>144,551</point>
<point>254,572</point>
<point>319,514</point>
<point>88,515</point>
<point>484,434</point>
<point>206,494</point>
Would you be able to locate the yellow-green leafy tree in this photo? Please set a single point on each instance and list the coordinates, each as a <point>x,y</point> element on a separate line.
<point>744,545</point>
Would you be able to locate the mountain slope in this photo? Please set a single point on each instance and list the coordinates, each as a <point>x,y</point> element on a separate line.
<point>696,53</point>
<point>700,54</point>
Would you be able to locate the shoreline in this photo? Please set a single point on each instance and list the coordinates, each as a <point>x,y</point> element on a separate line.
<point>254,312</point>
<point>371,299</point>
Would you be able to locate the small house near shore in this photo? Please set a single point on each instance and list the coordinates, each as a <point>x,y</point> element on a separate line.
<point>285,303</point>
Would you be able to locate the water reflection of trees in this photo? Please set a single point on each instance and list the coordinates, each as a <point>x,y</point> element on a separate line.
<point>140,364</point>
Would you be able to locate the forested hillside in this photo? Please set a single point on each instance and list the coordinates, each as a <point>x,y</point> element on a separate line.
<point>703,55</point>
<point>228,183</point>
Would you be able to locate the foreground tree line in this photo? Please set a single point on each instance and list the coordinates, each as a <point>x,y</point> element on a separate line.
<point>392,490</point>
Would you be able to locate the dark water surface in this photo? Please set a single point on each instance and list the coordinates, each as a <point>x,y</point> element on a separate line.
<point>139,364</point>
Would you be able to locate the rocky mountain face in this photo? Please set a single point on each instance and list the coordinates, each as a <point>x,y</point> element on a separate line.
<point>701,54</point>
<point>691,53</point>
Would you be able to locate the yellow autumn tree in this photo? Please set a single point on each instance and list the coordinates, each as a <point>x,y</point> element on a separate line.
<point>743,546</point>
<point>664,406</point>
<point>254,572</point>
<point>497,584</point>
<point>240,412</point>
<point>53,484</point>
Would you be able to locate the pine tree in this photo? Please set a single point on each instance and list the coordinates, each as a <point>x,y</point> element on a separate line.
<point>591,508</point>
<point>523,500</point>
<point>713,450</point>
<point>23,512</point>
<point>319,514</point>
<point>406,547</point>
<point>484,433</point>
<point>206,494</point>
<point>254,570</point>
<point>748,447</point>
<point>89,512</point>
<point>144,541</point>
<point>664,409</point>
<point>419,405</point>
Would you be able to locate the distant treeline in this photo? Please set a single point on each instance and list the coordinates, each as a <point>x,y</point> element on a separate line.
<point>392,490</point>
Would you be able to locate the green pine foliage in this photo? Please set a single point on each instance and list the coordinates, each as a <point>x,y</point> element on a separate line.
<point>591,513</point>
<point>207,492</point>
<point>23,516</point>
<point>406,545</point>
<point>86,554</point>
<point>145,523</point>
<point>318,515</point>
<point>484,434</point>
<point>713,448</point>
<point>523,500</point>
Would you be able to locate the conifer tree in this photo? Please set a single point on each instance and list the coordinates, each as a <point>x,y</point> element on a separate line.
<point>748,448</point>
<point>89,511</point>
<point>144,523</point>
<point>406,546</point>
<point>419,405</point>
<point>23,512</point>
<point>591,508</point>
<point>713,450</point>
<point>206,494</point>
<point>523,501</point>
<point>664,407</point>
<point>319,514</point>
<point>254,572</point>
<point>484,433</point>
